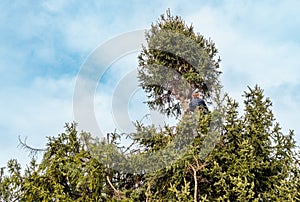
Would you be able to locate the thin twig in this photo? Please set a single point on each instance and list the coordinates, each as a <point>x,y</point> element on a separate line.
<point>112,186</point>
<point>195,182</point>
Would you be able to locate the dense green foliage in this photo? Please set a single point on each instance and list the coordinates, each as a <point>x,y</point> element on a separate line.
<point>66,172</point>
<point>250,159</point>
<point>175,62</point>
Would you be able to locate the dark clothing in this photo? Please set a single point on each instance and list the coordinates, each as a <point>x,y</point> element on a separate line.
<point>197,102</point>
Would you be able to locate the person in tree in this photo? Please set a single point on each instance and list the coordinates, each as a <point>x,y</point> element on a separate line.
<point>197,102</point>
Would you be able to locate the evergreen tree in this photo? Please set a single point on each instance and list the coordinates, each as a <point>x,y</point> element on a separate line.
<point>249,160</point>
<point>175,62</point>
<point>253,161</point>
<point>67,172</point>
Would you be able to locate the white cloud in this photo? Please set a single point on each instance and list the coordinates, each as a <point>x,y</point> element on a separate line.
<point>55,5</point>
<point>35,112</point>
<point>248,53</point>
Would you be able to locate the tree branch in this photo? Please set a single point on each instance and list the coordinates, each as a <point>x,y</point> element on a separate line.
<point>32,151</point>
<point>112,186</point>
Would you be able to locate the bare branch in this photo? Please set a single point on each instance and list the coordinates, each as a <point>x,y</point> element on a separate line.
<point>112,186</point>
<point>32,151</point>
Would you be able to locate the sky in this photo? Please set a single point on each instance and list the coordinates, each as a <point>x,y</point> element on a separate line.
<point>45,45</point>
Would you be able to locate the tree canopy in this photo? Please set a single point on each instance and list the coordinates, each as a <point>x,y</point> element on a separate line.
<point>175,62</point>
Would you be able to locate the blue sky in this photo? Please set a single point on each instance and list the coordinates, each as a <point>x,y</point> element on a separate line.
<point>44,44</point>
